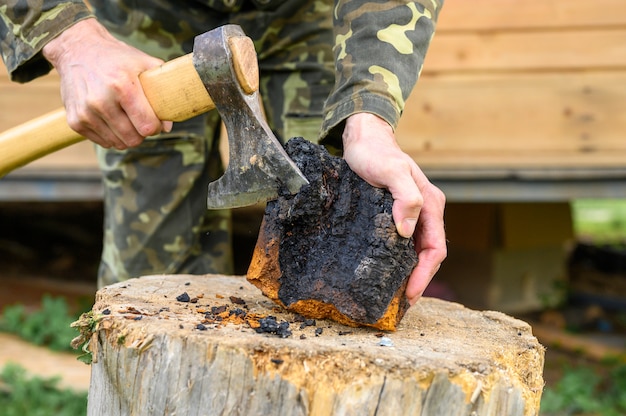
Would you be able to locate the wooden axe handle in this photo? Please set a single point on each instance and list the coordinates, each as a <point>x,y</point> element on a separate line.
<point>174,90</point>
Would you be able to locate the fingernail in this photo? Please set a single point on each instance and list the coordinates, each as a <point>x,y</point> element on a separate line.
<point>414,299</point>
<point>408,227</point>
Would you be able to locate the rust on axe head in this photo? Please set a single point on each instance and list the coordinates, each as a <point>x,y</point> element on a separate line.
<point>258,163</point>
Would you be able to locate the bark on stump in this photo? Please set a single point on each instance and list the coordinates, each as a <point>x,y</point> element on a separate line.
<point>332,250</point>
<point>199,355</point>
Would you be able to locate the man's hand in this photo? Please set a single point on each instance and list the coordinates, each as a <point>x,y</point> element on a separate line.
<point>371,151</point>
<point>100,87</point>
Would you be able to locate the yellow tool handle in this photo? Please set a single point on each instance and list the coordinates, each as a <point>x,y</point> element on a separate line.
<point>174,90</point>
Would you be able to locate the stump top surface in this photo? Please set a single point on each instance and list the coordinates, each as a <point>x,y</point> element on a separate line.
<point>443,359</point>
<point>433,333</point>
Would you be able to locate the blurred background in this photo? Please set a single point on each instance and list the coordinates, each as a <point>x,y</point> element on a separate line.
<point>518,117</point>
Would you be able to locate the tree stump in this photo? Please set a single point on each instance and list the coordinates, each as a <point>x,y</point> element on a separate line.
<point>214,345</point>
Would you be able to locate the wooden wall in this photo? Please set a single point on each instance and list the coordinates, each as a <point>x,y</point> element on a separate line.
<point>507,83</point>
<point>20,103</point>
<point>522,83</point>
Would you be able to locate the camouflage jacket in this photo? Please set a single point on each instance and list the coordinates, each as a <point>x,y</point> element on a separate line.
<point>379,83</point>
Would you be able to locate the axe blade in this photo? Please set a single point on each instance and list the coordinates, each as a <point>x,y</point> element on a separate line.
<point>256,179</point>
<point>258,163</point>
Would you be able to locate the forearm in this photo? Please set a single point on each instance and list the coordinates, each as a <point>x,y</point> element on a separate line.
<point>379,53</point>
<point>25,27</point>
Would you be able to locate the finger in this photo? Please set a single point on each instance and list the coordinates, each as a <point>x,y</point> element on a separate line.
<point>114,126</point>
<point>407,203</point>
<point>124,130</point>
<point>92,127</point>
<point>428,265</point>
<point>406,211</point>
<point>166,126</point>
<point>430,243</point>
<point>104,137</point>
<point>112,123</point>
<point>140,113</point>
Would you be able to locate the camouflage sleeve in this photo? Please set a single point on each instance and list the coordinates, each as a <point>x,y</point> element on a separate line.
<point>26,26</point>
<point>379,52</point>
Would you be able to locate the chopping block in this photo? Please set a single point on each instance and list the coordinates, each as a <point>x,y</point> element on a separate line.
<point>213,344</point>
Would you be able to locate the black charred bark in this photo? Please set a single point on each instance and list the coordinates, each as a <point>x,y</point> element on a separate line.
<point>338,241</point>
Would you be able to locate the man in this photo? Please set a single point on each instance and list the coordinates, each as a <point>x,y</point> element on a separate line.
<point>334,72</point>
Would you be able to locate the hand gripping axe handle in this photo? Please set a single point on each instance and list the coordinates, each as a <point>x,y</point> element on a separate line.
<point>177,91</point>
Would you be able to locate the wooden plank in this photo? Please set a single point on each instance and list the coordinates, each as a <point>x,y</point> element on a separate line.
<point>4,75</point>
<point>487,15</point>
<point>498,116</point>
<point>501,119</point>
<point>468,49</point>
<point>569,112</point>
<point>20,103</point>
<point>529,164</point>
<point>527,51</point>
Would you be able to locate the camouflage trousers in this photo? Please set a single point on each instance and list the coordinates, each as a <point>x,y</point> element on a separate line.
<point>156,219</point>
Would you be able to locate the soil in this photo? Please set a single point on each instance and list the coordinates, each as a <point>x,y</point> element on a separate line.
<point>45,363</point>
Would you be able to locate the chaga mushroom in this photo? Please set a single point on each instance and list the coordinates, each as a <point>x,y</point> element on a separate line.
<point>332,250</point>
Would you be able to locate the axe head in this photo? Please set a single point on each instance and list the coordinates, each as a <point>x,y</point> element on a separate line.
<point>258,165</point>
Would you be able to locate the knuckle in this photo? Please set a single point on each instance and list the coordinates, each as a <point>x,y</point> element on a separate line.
<point>79,121</point>
<point>93,104</point>
<point>120,146</point>
<point>415,200</point>
<point>133,141</point>
<point>148,129</point>
<point>440,196</point>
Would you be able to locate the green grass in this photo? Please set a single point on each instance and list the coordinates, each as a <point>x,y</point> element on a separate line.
<point>585,391</point>
<point>21,395</point>
<point>602,221</point>
<point>592,390</point>
<point>49,326</point>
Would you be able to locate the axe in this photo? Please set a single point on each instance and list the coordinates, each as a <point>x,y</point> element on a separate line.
<point>221,73</point>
